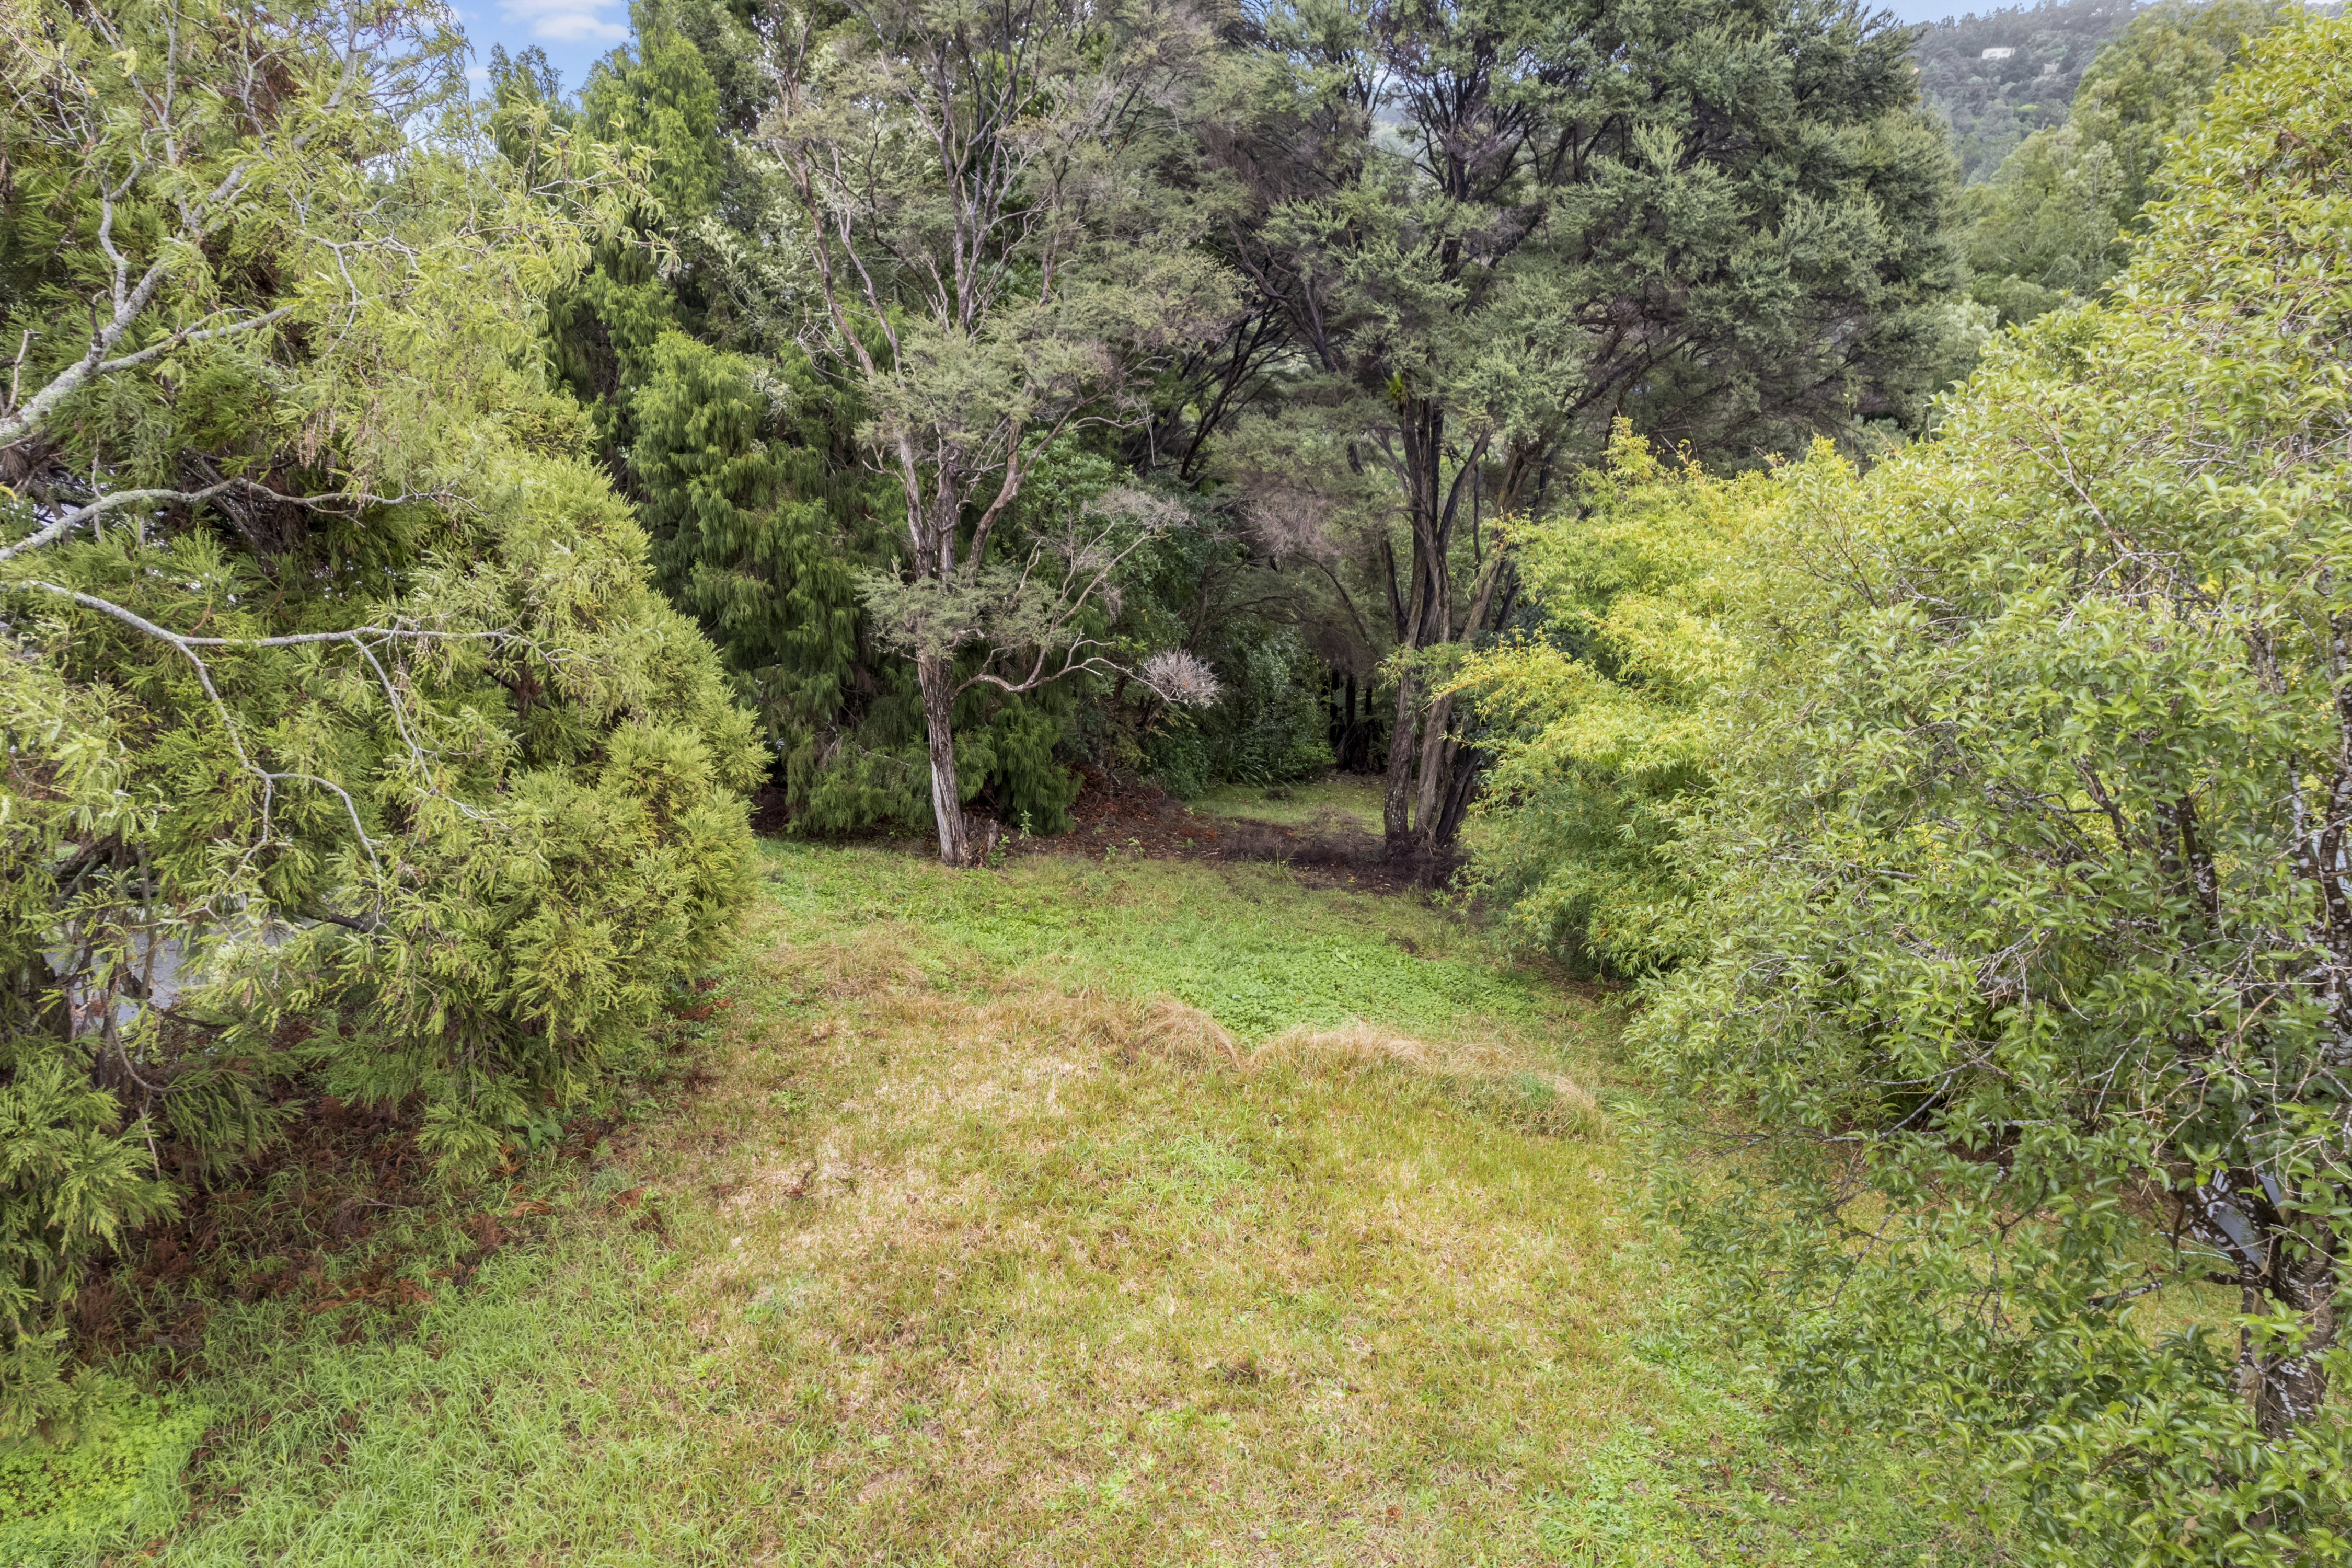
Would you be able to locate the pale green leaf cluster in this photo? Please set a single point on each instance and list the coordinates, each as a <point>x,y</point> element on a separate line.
<point>2026,943</point>
<point>1665,591</point>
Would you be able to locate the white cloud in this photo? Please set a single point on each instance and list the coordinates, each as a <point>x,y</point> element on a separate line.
<point>566,21</point>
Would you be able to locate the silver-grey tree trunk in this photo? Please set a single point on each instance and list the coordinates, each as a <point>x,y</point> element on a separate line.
<point>936,674</point>
<point>2288,1389</point>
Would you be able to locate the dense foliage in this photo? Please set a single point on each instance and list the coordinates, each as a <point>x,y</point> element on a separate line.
<point>737,407</point>
<point>1994,101</point>
<point>348,744</point>
<point>2057,219</point>
<point>1660,596</point>
<point>1721,222</point>
<point>2011,920</point>
<point>834,403</point>
<point>998,199</point>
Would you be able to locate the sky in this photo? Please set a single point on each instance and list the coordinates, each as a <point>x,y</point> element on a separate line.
<point>574,33</point>
<point>577,33</point>
<point>1937,10</point>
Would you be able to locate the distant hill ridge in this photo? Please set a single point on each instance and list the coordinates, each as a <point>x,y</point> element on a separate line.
<point>1998,76</point>
<point>2039,53</point>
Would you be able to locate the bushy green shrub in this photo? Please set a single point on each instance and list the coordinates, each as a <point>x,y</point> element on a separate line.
<point>1657,595</point>
<point>345,735</point>
<point>1269,724</point>
<point>2027,929</point>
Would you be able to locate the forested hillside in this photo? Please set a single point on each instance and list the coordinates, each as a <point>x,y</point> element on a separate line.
<point>1998,76</point>
<point>1434,782</point>
<point>2056,221</point>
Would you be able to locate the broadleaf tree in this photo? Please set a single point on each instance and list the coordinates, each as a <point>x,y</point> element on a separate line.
<point>2029,960</point>
<point>1002,260</point>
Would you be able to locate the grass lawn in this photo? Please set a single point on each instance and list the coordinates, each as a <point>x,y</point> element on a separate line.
<point>1072,1214</point>
<point>1344,802</point>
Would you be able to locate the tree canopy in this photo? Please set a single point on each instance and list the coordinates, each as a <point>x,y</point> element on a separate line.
<point>1997,77</point>
<point>1491,231</point>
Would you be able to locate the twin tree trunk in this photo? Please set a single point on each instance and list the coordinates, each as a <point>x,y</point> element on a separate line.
<point>935,672</point>
<point>1420,805</point>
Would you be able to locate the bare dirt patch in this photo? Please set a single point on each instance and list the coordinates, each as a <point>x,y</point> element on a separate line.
<point>1125,817</point>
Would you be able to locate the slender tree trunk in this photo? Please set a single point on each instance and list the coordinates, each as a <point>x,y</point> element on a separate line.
<point>1437,772</point>
<point>936,673</point>
<point>1436,631</point>
<point>1465,761</point>
<point>1396,798</point>
<point>1433,825</point>
<point>1348,731</point>
<point>1436,816</point>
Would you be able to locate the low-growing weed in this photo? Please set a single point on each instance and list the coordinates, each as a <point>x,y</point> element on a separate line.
<point>118,1479</point>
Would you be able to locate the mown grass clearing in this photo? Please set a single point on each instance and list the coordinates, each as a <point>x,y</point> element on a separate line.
<point>1069,1214</point>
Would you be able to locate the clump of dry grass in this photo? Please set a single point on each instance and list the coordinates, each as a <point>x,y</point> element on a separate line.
<point>1489,1077</point>
<point>1493,1079</point>
<point>1056,1271</point>
<point>1169,1028</point>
